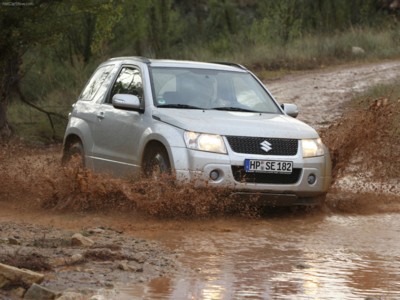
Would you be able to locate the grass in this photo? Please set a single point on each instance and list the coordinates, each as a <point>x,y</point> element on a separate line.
<point>35,126</point>
<point>307,52</point>
<point>390,91</point>
<point>382,95</point>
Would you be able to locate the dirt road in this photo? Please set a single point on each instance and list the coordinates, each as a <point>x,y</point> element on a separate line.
<point>347,253</point>
<point>320,94</point>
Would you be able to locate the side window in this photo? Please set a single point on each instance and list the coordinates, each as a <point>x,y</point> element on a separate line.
<point>96,82</point>
<point>129,81</point>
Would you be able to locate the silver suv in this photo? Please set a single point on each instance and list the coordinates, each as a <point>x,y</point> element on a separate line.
<point>209,122</point>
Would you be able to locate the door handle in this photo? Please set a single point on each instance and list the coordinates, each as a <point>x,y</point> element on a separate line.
<point>100,115</point>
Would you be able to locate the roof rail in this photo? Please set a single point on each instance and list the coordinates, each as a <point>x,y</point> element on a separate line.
<point>140,58</point>
<point>229,64</point>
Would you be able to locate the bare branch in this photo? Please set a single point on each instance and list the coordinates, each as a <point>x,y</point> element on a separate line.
<point>48,113</point>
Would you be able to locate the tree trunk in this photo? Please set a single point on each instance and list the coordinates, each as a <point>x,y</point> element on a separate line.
<point>9,77</point>
<point>5,131</point>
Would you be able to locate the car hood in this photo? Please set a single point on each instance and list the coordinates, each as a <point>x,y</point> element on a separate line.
<point>235,123</point>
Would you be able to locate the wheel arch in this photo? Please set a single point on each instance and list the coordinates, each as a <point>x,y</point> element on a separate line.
<point>161,135</point>
<point>70,140</point>
<point>154,144</point>
<point>68,149</point>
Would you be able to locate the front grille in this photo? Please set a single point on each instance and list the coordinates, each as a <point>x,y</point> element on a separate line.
<point>240,175</point>
<point>251,145</point>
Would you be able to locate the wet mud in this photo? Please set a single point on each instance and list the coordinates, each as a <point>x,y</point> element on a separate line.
<point>230,249</point>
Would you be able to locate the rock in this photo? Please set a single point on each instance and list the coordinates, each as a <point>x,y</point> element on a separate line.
<point>76,259</point>
<point>139,270</point>
<point>71,296</point>
<point>357,50</point>
<point>72,260</point>
<point>123,265</point>
<point>98,297</point>
<point>13,275</point>
<point>96,230</point>
<point>37,292</point>
<point>13,241</point>
<point>58,261</point>
<point>79,240</point>
<point>18,292</point>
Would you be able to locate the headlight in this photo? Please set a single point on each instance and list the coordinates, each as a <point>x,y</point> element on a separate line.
<point>204,142</point>
<point>312,147</point>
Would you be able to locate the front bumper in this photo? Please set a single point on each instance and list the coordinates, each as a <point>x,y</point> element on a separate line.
<point>201,167</point>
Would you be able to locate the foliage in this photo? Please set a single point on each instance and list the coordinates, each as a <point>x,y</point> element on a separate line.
<point>49,48</point>
<point>25,25</point>
<point>147,28</point>
<point>87,28</point>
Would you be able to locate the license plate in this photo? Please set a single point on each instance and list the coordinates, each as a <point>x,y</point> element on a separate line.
<point>268,166</point>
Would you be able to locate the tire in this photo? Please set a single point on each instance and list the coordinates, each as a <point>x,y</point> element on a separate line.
<point>156,162</point>
<point>74,153</point>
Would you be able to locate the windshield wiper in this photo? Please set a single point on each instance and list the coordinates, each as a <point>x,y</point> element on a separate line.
<point>179,106</point>
<point>233,108</point>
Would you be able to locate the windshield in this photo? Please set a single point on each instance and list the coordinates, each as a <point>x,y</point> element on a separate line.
<point>209,89</point>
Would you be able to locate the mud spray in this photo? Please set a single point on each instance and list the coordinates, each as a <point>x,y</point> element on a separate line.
<point>365,155</point>
<point>365,149</point>
<point>35,179</point>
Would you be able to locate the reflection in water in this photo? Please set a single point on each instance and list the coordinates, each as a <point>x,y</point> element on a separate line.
<point>333,257</point>
<point>160,286</point>
<point>211,292</point>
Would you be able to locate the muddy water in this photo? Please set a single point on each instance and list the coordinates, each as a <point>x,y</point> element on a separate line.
<point>285,256</point>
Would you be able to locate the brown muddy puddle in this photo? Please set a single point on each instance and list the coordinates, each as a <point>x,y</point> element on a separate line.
<point>286,256</point>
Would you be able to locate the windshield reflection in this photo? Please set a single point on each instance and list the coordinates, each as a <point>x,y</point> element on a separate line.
<point>210,89</point>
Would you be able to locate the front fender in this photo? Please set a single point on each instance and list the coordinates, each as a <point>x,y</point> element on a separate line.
<point>80,128</point>
<point>169,136</point>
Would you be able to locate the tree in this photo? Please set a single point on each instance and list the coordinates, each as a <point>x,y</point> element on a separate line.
<point>24,25</point>
<point>148,27</point>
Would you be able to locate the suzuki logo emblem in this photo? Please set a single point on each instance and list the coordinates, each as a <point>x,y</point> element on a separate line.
<point>266,146</point>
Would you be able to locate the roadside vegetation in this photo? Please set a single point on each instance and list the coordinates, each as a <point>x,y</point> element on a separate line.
<point>52,62</point>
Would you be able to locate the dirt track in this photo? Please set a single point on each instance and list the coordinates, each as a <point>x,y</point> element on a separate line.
<point>321,94</point>
<point>281,254</point>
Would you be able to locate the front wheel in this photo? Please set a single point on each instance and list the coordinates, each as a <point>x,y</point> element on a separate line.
<point>74,154</point>
<point>156,162</point>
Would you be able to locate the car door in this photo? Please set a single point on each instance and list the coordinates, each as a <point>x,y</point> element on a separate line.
<point>118,131</point>
<point>84,112</point>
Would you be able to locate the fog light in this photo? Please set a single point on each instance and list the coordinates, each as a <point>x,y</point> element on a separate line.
<point>214,175</point>
<point>311,179</point>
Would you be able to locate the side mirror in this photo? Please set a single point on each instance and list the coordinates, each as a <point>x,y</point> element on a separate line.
<point>290,109</point>
<point>126,101</point>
